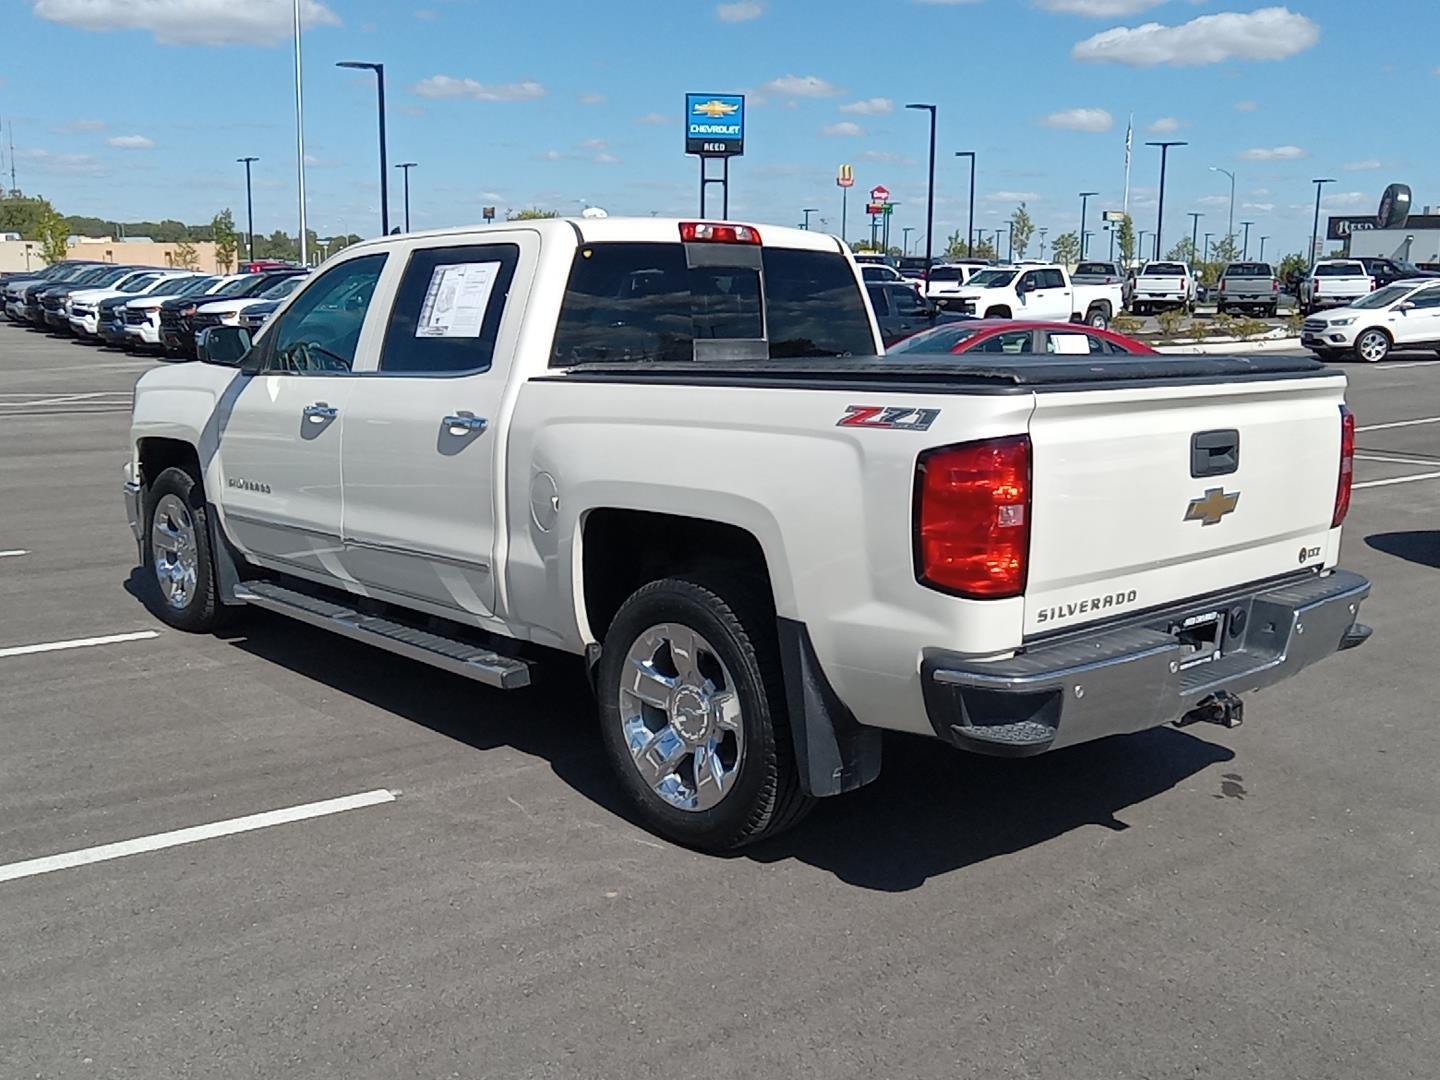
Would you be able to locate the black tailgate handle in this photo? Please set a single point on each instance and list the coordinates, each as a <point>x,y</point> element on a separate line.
<point>1214,453</point>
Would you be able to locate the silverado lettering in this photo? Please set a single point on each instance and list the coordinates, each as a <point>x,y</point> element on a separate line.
<point>1084,607</point>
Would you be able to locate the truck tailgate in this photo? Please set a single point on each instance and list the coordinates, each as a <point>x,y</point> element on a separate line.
<point>1135,504</point>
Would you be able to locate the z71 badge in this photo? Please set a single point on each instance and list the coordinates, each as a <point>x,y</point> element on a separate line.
<point>888,419</point>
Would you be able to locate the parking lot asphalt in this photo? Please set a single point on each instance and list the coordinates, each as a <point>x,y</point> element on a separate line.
<point>1198,903</point>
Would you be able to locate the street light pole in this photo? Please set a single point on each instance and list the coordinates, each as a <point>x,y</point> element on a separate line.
<point>1111,230</point>
<point>1195,235</point>
<point>300,141</point>
<point>1140,244</point>
<point>807,211</point>
<point>1160,211</point>
<point>379,70</point>
<point>930,191</point>
<point>249,209</point>
<point>905,239</point>
<point>1042,243</point>
<point>405,167</point>
<point>1009,236</point>
<point>1231,228</point>
<point>1245,252</point>
<point>1262,247</point>
<point>1207,247</point>
<point>1315,229</point>
<point>970,225</point>
<point>1084,206</point>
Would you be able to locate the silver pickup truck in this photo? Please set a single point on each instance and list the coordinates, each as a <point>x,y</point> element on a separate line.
<point>1248,286</point>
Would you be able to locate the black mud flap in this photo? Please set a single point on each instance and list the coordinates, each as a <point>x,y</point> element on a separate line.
<point>834,752</point>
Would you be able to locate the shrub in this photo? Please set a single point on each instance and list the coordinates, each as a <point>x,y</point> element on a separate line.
<point>1170,321</point>
<point>1128,325</point>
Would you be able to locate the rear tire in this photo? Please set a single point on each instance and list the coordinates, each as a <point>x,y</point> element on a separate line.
<point>692,715</point>
<point>1099,318</point>
<point>177,554</point>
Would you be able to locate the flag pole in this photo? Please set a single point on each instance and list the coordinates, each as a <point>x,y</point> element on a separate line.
<point>1129,141</point>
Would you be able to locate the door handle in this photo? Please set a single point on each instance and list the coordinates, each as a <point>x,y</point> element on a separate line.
<point>465,423</point>
<point>320,412</point>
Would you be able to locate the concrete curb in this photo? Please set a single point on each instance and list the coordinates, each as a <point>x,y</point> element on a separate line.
<point>1288,344</point>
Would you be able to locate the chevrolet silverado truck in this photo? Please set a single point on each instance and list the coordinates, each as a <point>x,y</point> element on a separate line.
<point>1163,285</point>
<point>675,450</point>
<point>1043,293</point>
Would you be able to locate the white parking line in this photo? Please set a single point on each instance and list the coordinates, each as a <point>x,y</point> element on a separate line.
<point>1392,460</point>
<point>1400,423</point>
<point>78,643</point>
<point>12,554</point>
<point>1399,480</point>
<point>70,859</point>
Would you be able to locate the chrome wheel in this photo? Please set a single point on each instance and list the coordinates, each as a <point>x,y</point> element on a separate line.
<point>680,715</point>
<point>173,551</point>
<point>1372,346</point>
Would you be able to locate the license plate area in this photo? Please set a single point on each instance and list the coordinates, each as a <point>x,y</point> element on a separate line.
<point>1203,635</point>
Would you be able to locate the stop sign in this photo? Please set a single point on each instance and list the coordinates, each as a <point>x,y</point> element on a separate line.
<point>880,194</point>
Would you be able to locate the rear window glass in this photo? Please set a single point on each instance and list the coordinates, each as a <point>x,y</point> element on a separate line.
<point>1249,269</point>
<point>1164,270</point>
<point>447,311</point>
<point>1093,268</point>
<point>947,273</point>
<point>1345,269</point>
<point>942,339</point>
<point>629,302</point>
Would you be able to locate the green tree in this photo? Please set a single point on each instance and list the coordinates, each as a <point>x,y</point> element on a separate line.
<point>532,214</point>
<point>1225,250</point>
<point>1021,229</point>
<point>226,242</point>
<point>278,245</point>
<point>24,215</point>
<point>186,256</point>
<point>54,235</point>
<point>1066,248</point>
<point>1183,251</point>
<point>1294,263</point>
<point>1125,237</point>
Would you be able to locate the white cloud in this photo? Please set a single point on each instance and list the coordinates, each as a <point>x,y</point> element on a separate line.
<point>1213,200</point>
<point>447,86</point>
<point>191,22</point>
<point>1246,106</point>
<point>1166,125</point>
<point>1273,153</point>
<point>47,162</point>
<point>132,142</point>
<point>1012,196</point>
<point>875,106</point>
<point>78,127</point>
<point>426,14</point>
<point>1272,33</point>
<point>802,86</point>
<point>1265,207</point>
<point>1093,120</point>
<point>845,128</point>
<point>1347,200</point>
<point>888,157</point>
<point>606,159</point>
<point>595,144</point>
<point>1099,9</point>
<point>1260,192</point>
<point>593,98</point>
<point>1362,166</point>
<point>740,11</point>
<point>552,155</point>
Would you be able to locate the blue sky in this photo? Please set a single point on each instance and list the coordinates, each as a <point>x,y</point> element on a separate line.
<point>138,108</point>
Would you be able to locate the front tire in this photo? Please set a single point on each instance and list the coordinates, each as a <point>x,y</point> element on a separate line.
<point>177,554</point>
<point>1099,318</point>
<point>1372,346</point>
<point>692,714</point>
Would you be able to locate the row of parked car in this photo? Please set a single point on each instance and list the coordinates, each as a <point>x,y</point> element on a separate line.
<point>145,307</point>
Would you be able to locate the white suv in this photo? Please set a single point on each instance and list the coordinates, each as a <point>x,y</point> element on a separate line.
<point>1403,315</point>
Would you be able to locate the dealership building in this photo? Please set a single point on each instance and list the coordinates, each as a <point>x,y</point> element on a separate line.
<point>1417,242</point>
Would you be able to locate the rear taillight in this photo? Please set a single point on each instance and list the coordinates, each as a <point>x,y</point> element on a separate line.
<point>972,518</point>
<point>1315,286</point>
<point>1274,284</point>
<point>1222,285</point>
<point>707,232</point>
<point>1347,467</point>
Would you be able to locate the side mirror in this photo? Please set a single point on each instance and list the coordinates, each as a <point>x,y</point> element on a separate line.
<point>224,345</point>
<point>1407,306</point>
<point>1022,287</point>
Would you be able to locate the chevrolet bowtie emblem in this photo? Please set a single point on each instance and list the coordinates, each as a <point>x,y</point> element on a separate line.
<point>715,109</point>
<point>1212,506</point>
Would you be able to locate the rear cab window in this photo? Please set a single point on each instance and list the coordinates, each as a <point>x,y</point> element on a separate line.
<point>1249,270</point>
<point>1095,269</point>
<point>1340,269</point>
<point>1166,269</point>
<point>663,302</point>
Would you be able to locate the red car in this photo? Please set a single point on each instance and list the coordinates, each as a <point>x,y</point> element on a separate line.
<point>1008,337</point>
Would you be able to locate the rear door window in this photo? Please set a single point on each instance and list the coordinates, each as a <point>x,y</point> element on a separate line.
<point>447,310</point>
<point>878,299</point>
<point>645,302</point>
<point>1051,279</point>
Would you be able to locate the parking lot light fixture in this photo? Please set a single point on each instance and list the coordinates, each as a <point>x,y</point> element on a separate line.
<point>930,190</point>
<point>1262,247</point>
<point>970,225</point>
<point>1206,257</point>
<point>1315,229</point>
<point>1085,197</point>
<point>1245,252</point>
<point>1195,235</point>
<point>249,209</point>
<point>1230,230</point>
<point>807,212</point>
<point>405,167</point>
<point>1160,210</point>
<point>379,70</point>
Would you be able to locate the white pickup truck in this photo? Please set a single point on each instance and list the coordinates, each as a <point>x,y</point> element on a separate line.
<point>1162,285</point>
<point>1335,283</point>
<point>1043,293</point>
<point>673,449</point>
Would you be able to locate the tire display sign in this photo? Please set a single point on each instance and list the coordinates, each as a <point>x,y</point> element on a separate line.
<point>715,124</point>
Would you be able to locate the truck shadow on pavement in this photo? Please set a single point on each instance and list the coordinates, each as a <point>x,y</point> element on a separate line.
<point>932,811</point>
<point>1420,546</point>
